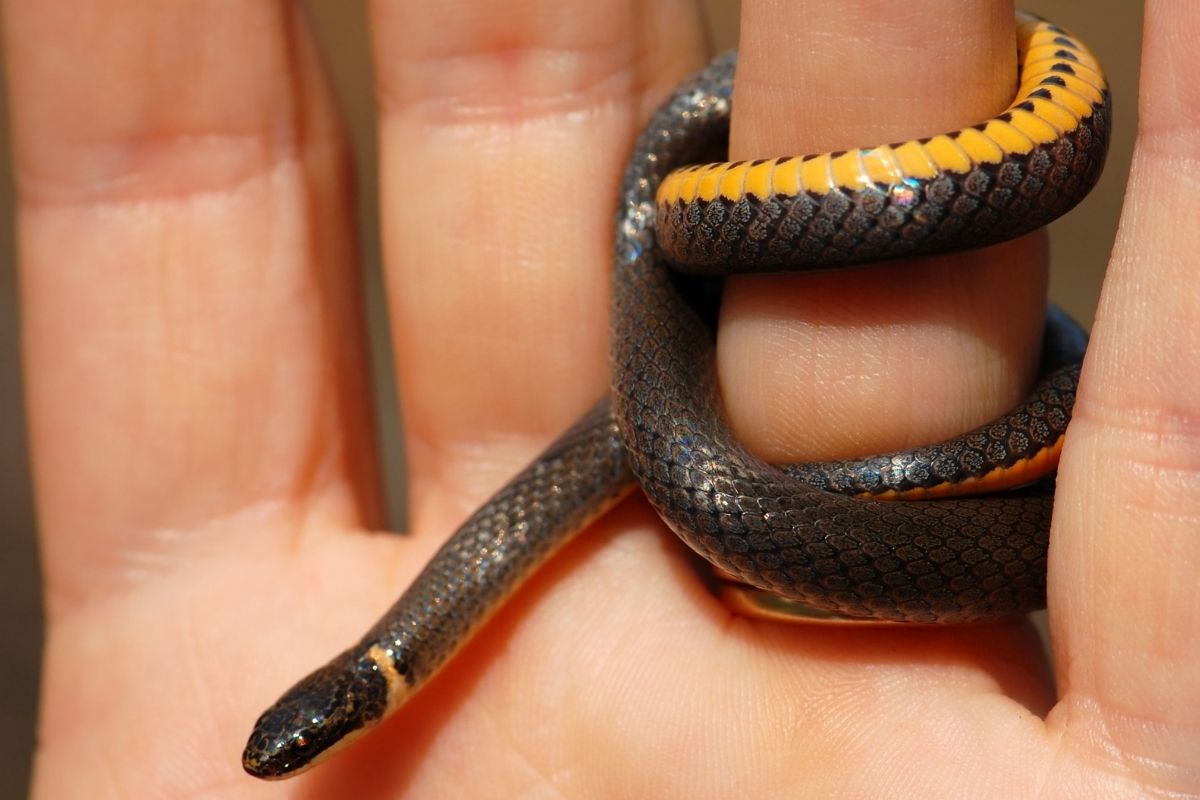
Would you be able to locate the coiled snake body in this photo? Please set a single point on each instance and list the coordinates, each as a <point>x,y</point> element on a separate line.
<point>791,531</point>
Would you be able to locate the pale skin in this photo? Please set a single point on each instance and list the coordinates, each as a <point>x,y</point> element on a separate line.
<point>205,476</point>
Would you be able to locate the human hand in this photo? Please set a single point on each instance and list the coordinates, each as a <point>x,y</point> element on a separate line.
<point>186,246</point>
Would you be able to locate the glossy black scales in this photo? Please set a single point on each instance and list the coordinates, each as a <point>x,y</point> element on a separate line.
<point>940,561</point>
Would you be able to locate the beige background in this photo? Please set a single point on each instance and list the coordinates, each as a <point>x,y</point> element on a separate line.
<point>1080,249</point>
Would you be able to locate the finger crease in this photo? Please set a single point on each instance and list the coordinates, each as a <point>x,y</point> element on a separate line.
<point>159,167</point>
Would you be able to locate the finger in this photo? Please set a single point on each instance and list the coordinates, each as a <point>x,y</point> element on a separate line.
<point>191,329</point>
<point>856,362</point>
<point>504,130</point>
<point>1124,551</point>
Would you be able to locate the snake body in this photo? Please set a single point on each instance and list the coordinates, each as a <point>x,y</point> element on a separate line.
<point>791,531</point>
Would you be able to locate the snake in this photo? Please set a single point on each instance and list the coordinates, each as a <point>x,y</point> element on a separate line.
<point>829,537</point>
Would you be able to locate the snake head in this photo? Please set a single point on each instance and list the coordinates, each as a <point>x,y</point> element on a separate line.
<point>321,713</point>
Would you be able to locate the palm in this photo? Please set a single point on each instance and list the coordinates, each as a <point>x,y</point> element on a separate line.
<point>206,514</point>
<point>614,667</point>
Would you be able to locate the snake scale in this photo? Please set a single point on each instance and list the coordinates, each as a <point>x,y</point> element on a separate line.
<point>790,532</point>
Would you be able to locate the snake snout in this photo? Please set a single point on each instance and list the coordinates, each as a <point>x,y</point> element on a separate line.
<point>323,711</point>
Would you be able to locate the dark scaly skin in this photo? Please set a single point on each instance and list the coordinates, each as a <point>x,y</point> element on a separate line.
<point>991,202</point>
<point>570,484</point>
<point>943,561</point>
<point>947,561</point>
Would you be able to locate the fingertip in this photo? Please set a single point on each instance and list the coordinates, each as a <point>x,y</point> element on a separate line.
<point>814,76</point>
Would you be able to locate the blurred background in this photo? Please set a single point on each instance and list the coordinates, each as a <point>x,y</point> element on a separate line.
<point>1081,244</point>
